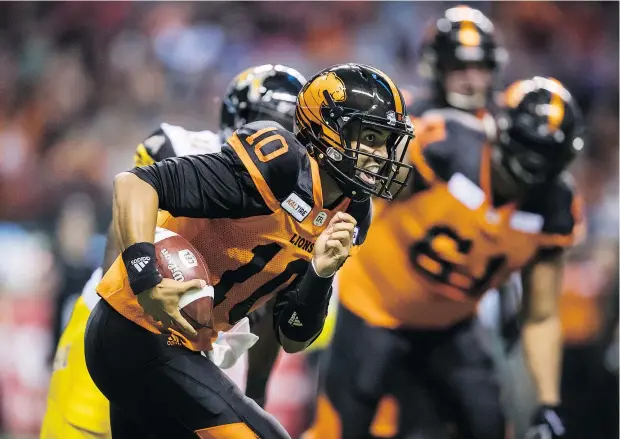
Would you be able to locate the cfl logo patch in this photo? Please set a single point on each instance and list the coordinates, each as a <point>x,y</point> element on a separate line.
<point>188,258</point>
<point>319,220</point>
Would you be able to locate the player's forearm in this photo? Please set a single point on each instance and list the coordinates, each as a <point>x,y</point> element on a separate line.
<point>542,345</point>
<point>134,210</point>
<point>112,250</point>
<point>301,317</point>
<point>261,358</point>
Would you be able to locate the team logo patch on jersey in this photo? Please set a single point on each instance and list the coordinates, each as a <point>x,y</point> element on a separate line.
<point>297,207</point>
<point>319,220</point>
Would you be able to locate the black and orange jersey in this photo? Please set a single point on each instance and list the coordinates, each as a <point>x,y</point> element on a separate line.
<point>431,256</point>
<point>253,209</point>
<point>174,141</point>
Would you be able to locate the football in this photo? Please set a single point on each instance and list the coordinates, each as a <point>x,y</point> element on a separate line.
<point>178,259</point>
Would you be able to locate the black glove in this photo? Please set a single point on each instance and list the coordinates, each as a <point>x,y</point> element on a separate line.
<point>546,424</point>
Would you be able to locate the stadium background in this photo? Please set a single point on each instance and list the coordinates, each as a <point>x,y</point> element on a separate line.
<point>82,83</point>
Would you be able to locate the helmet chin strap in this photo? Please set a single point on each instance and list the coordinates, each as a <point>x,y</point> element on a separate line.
<point>466,102</point>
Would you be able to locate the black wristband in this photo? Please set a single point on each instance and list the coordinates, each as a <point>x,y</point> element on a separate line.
<point>313,290</point>
<point>302,316</point>
<point>140,263</point>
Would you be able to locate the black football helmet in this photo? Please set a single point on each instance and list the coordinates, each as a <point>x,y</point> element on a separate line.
<point>540,131</point>
<point>463,36</point>
<point>333,109</point>
<point>264,92</point>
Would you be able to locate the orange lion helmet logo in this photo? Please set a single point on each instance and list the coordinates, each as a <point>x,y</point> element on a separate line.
<point>334,86</point>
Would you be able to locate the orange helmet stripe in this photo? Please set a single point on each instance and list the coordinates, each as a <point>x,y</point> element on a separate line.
<point>468,34</point>
<point>514,94</point>
<point>556,111</point>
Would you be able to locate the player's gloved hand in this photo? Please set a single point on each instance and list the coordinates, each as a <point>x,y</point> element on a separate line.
<point>334,244</point>
<point>546,424</point>
<point>162,303</point>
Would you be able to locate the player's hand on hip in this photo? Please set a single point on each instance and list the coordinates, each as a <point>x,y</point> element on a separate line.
<point>334,244</point>
<point>162,303</point>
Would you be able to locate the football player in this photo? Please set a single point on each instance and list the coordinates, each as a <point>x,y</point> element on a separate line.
<point>461,60</point>
<point>476,211</point>
<point>75,407</point>
<point>274,214</point>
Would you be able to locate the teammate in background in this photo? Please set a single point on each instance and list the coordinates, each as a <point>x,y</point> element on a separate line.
<point>75,407</point>
<point>245,208</point>
<point>461,60</point>
<point>476,212</point>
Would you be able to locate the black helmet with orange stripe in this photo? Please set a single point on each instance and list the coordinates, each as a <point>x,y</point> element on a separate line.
<point>464,37</point>
<point>354,122</point>
<point>267,92</point>
<point>540,131</point>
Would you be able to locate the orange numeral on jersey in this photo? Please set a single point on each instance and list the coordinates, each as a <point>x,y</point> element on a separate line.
<point>262,255</point>
<point>278,143</point>
<point>428,261</point>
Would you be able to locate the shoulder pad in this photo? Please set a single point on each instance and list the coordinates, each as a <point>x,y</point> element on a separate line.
<point>562,210</point>
<point>562,207</point>
<point>185,142</point>
<point>175,141</point>
<point>442,137</point>
<point>274,159</point>
<point>154,148</point>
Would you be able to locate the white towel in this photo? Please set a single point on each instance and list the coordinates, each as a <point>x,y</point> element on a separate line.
<point>232,344</point>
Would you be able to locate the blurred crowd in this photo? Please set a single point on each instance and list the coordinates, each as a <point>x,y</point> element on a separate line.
<point>82,83</point>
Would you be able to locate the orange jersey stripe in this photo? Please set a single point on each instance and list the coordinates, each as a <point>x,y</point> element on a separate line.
<point>257,177</point>
<point>556,111</point>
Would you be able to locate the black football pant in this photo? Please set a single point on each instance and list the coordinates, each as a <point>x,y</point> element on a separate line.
<point>162,391</point>
<point>439,378</point>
